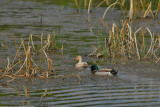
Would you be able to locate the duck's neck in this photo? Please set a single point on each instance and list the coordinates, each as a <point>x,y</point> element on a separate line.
<point>80,60</point>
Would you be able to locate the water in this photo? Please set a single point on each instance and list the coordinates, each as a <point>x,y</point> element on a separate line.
<point>137,84</point>
<point>92,91</point>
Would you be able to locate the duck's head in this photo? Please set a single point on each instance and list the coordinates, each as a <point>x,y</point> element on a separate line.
<point>94,67</point>
<point>78,58</point>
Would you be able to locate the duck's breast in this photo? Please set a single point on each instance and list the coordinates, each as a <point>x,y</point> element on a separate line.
<point>82,64</point>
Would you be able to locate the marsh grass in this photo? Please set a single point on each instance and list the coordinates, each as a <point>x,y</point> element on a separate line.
<point>123,42</point>
<point>87,4</point>
<point>26,64</point>
<point>138,9</point>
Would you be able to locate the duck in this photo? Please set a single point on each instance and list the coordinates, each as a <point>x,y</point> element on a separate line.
<point>80,63</point>
<point>108,72</point>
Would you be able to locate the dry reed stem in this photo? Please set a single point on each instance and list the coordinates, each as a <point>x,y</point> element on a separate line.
<point>157,60</point>
<point>142,5</point>
<point>25,61</point>
<point>45,54</point>
<point>12,67</point>
<point>47,45</point>
<point>151,43</point>
<point>100,3</point>
<point>123,42</point>
<point>158,8</point>
<point>37,36</point>
<point>122,37</point>
<point>34,63</point>
<point>133,8</point>
<point>50,63</point>
<point>8,68</point>
<point>109,8</point>
<point>148,11</point>
<point>113,32</point>
<point>31,37</point>
<point>9,65</point>
<point>105,25</point>
<point>130,32</point>
<point>89,6</point>
<point>113,5</point>
<point>77,4</point>
<point>17,50</point>
<point>12,75</point>
<point>123,2</point>
<point>8,81</point>
<point>154,51</point>
<point>62,49</point>
<point>41,40</point>
<point>28,61</point>
<point>159,41</point>
<point>17,54</point>
<point>143,42</point>
<point>48,41</point>
<point>28,57</point>
<point>95,51</point>
<point>139,58</point>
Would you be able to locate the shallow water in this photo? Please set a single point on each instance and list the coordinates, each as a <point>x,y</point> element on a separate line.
<point>137,84</point>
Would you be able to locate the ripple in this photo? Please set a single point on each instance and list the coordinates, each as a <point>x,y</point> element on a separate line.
<point>92,96</point>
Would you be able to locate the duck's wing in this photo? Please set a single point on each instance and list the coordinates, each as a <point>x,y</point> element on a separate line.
<point>105,70</point>
<point>84,64</point>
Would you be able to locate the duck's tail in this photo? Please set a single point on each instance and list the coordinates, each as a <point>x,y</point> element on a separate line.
<point>114,72</point>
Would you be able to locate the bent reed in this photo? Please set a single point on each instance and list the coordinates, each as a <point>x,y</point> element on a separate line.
<point>122,42</point>
<point>32,60</point>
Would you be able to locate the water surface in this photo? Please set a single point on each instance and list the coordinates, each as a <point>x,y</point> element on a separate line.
<point>137,83</point>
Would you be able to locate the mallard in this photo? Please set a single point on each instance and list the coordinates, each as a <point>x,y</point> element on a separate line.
<point>109,72</point>
<point>80,63</point>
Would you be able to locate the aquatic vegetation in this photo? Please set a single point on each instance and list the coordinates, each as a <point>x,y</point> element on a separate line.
<point>122,42</point>
<point>26,63</point>
<point>84,3</point>
<point>137,8</point>
<point>51,43</point>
